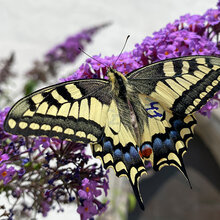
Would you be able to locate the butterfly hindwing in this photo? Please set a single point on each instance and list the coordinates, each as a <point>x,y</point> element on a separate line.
<point>182,85</point>
<point>170,147</point>
<point>118,149</point>
<point>74,110</point>
<point>165,137</point>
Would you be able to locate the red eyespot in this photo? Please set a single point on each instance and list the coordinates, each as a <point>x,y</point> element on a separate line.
<point>146,151</point>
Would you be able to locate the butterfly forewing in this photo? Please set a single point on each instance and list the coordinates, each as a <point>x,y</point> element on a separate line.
<point>182,85</point>
<point>75,111</point>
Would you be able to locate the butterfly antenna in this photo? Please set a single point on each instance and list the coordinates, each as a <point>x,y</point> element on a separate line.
<point>91,57</point>
<point>122,49</point>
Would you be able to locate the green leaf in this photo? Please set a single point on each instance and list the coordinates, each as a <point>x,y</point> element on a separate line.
<point>36,166</point>
<point>131,202</point>
<point>30,87</point>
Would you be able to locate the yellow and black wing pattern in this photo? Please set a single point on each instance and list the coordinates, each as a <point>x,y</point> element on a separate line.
<point>74,111</point>
<point>171,91</point>
<point>182,85</point>
<point>165,136</point>
<point>118,148</point>
<point>146,115</point>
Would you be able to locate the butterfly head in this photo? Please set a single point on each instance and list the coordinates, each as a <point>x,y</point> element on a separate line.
<point>117,79</point>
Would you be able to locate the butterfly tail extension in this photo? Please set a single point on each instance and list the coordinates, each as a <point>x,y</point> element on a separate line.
<point>136,190</point>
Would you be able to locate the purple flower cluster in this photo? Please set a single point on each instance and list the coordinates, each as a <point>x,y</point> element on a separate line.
<point>6,172</point>
<point>90,206</point>
<point>3,157</point>
<point>179,43</point>
<point>68,51</point>
<point>189,35</point>
<point>60,55</point>
<point>98,69</point>
<point>50,171</point>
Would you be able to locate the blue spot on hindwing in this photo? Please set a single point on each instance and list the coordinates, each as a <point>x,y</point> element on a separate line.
<point>134,154</point>
<point>107,147</point>
<point>157,143</point>
<point>178,124</point>
<point>118,154</point>
<point>174,135</point>
<point>127,158</point>
<point>168,143</point>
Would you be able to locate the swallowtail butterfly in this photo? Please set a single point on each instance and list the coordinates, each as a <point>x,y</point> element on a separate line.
<point>147,115</point>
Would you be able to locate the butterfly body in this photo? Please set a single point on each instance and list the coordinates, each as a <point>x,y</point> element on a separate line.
<point>146,115</point>
<point>128,104</point>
